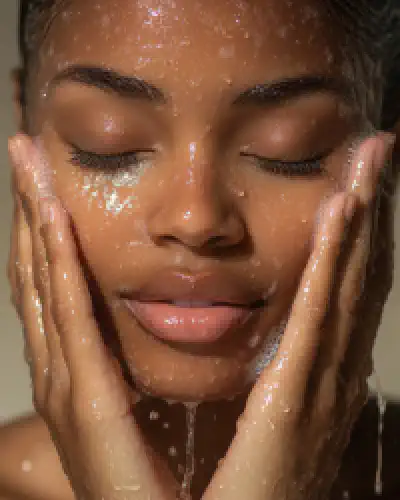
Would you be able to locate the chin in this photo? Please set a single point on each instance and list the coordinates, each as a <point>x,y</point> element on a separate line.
<point>219,381</point>
<point>194,372</point>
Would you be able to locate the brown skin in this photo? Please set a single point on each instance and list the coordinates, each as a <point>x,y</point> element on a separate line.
<point>300,395</point>
<point>298,399</point>
<point>274,209</point>
<point>200,89</point>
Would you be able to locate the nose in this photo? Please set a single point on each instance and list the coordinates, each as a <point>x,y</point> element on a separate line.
<point>194,211</point>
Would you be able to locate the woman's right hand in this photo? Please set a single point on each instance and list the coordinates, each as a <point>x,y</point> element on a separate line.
<point>77,389</point>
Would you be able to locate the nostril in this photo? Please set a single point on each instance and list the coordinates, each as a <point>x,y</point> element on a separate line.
<point>170,239</point>
<point>215,240</point>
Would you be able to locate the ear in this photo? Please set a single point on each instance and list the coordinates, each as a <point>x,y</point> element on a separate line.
<point>18,97</point>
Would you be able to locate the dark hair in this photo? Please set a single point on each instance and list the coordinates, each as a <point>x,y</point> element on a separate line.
<point>376,22</point>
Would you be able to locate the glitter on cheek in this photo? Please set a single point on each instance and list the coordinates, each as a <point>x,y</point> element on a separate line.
<point>104,188</point>
<point>268,351</point>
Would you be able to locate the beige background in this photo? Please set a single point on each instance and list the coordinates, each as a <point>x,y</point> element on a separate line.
<point>15,396</point>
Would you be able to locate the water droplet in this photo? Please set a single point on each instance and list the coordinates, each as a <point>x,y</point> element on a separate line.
<point>381,401</point>
<point>154,415</point>
<point>172,451</point>
<point>27,466</point>
<point>191,409</point>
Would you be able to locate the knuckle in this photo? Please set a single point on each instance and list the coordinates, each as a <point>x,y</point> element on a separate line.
<point>54,257</point>
<point>60,311</point>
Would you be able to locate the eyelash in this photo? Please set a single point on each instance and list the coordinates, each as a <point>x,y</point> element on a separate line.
<point>107,162</point>
<point>123,161</point>
<point>309,167</point>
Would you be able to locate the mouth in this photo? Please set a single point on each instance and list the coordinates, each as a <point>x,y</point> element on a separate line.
<point>184,307</point>
<point>191,321</point>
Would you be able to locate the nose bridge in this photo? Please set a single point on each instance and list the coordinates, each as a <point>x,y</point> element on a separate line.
<point>194,208</point>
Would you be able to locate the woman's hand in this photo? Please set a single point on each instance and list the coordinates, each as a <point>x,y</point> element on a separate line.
<point>300,413</point>
<point>78,390</point>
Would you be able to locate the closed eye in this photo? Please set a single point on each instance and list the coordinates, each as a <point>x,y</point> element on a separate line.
<point>109,162</point>
<point>300,168</point>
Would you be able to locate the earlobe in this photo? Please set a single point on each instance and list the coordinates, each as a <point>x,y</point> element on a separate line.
<point>18,97</point>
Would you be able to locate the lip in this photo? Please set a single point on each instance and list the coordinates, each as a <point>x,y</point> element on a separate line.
<point>198,325</point>
<point>179,306</point>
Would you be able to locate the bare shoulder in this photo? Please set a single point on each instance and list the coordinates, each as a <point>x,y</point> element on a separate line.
<point>29,464</point>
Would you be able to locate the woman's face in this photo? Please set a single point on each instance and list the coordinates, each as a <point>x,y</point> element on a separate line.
<point>193,143</point>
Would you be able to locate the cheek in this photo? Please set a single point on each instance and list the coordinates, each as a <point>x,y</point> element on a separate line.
<point>108,224</point>
<point>282,221</point>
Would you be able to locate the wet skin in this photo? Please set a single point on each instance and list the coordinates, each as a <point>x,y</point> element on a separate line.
<point>201,128</point>
<point>234,214</point>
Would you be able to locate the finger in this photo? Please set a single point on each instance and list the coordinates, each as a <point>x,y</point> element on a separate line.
<point>27,181</point>
<point>72,306</point>
<point>378,149</point>
<point>365,183</point>
<point>315,297</point>
<point>13,262</point>
<point>301,340</point>
<point>69,299</point>
<point>36,345</point>
<point>59,373</point>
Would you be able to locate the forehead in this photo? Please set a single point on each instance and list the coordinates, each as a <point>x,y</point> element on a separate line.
<point>195,39</point>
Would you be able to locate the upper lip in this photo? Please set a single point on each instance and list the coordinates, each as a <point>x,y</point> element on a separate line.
<point>214,287</point>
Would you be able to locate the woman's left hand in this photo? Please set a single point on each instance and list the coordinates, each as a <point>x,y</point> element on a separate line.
<point>299,415</point>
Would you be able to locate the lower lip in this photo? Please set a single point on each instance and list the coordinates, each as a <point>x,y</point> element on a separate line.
<point>188,324</point>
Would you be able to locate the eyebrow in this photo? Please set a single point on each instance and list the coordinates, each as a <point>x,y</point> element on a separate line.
<point>110,81</point>
<point>290,88</point>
